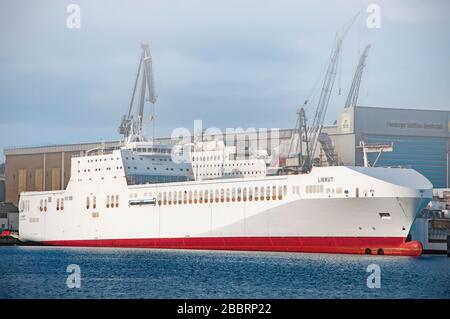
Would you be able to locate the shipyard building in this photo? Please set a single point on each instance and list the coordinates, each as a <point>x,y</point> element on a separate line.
<point>421,140</point>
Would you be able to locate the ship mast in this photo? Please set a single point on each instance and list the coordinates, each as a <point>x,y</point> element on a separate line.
<point>131,127</point>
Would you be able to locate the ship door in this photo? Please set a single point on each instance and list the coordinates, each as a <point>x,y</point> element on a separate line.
<point>95,225</point>
<point>357,192</point>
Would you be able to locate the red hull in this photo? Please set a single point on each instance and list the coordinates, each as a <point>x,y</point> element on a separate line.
<point>342,245</point>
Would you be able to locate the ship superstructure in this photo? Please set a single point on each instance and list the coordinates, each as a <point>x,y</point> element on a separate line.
<point>215,160</point>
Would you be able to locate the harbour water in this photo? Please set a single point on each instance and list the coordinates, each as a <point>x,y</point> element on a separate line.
<point>41,272</point>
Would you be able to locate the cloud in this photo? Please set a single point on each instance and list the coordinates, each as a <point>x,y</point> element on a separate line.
<point>230,63</point>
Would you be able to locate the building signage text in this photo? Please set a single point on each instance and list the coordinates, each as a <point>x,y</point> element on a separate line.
<point>415,125</point>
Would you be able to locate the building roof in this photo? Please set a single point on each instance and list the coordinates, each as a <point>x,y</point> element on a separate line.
<point>81,147</point>
<point>401,109</point>
<point>19,150</point>
<point>39,149</point>
<point>8,208</point>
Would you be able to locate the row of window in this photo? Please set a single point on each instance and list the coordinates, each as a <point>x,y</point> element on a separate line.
<point>153,150</point>
<point>224,165</point>
<point>234,173</point>
<point>206,158</point>
<point>161,159</point>
<point>317,189</point>
<point>94,202</point>
<point>43,205</point>
<point>111,201</point>
<point>253,194</point>
<point>24,205</point>
<point>99,160</point>
<point>222,195</point>
<point>90,179</point>
<point>167,168</point>
<point>314,189</point>
<point>60,204</point>
<point>98,169</point>
<point>205,196</point>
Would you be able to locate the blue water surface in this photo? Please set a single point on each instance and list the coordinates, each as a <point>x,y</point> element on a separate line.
<point>40,272</point>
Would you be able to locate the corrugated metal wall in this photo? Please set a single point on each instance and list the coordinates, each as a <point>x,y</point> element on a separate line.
<point>427,155</point>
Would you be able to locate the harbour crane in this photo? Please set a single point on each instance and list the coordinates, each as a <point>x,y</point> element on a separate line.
<point>299,160</point>
<point>352,97</point>
<point>316,128</point>
<point>312,134</point>
<point>131,127</point>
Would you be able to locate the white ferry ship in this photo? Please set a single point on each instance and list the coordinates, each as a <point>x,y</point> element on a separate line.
<point>137,196</point>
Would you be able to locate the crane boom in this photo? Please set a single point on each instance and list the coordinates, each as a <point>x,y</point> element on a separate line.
<point>352,97</point>
<point>131,127</point>
<point>327,87</point>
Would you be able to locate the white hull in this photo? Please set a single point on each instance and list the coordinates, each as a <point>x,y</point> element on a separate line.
<point>374,204</point>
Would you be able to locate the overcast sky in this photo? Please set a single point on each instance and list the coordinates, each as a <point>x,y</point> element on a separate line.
<point>229,63</point>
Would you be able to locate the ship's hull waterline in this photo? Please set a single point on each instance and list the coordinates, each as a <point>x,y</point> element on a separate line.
<point>337,245</point>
